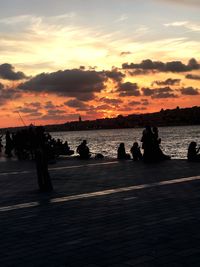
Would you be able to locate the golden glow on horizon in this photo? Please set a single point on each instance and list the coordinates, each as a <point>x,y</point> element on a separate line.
<point>44,47</point>
<point>47,45</point>
<point>96,108</point>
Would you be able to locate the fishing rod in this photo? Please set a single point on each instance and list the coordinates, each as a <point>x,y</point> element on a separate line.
<point>21,119</point>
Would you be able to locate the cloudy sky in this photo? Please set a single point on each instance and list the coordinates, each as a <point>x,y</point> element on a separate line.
<point>61,59</point>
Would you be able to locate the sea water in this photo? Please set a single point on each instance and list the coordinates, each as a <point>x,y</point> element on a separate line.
<point>174,140</point>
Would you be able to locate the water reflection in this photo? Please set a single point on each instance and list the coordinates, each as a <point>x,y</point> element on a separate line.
<point>175,140</point>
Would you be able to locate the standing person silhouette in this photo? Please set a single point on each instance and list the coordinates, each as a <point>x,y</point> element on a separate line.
<point>44,180</point>
<point>9,145</point>
<point>148,144</point>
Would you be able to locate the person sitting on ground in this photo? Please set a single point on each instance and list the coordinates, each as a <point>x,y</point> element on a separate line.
<point>135,151</point>
<point>83,150</point>
<point>121,152</point>
<point>193,151</point>
<point>67,150</point>
<point>157,151</point>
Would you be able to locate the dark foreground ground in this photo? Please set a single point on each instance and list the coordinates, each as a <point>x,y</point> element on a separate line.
<point>101,213</point>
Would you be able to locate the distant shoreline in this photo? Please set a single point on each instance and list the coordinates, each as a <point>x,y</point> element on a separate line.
<point>164,118</point>
<point>13,129</point>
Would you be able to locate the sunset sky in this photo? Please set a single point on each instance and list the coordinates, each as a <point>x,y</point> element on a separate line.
<point>65,58</point>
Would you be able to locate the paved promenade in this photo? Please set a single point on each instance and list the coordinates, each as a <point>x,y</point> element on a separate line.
<point>101,213</point>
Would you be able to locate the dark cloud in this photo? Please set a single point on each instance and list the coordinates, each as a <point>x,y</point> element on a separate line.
<point>111,101</point>
<point>190,91</point>
<point>7,94</point>
<point>74,103</point>
<point>54,112</point>
<point>97,111</point>
<point>115,75</point>
<point>92,67</point>
<point>31,109</point>
<point>144,102</point>
<point>173,66</point>
<point>35,114</point>
<point>193,64</point>
<point>145,64</point>
<point>81,106</point>
<point>163,92</point>
<point>27,110</point>
<point>125,109</point>
<point>192,77</point>
<point>72,83</point>
<point>103,107</point>
<point>7,72</point>
<point>49,105</point>
<point>58,115</point>
<point>128,89</point>
<point>140,108</point>
<point>147,91</point>
<point>79,83</point>
<point>90,114</point>
<point>138,72</point>
<point>134,103</point>
<point>169,82</point>
<point>125,53</point>
<point>34,104</point>
<point>31,113</point>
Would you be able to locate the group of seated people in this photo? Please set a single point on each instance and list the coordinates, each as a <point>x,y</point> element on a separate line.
<point>135,152</point>
<point>26,141</point>
<point>152,151</point>
<point>150,145</point>
<point>62,148</point>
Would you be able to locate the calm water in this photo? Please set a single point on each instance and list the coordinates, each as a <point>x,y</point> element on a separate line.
<point>175,140</point>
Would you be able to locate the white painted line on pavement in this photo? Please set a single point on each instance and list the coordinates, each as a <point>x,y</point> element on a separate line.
<point>129,198</point>
<point>14,173</point>
<point>59,168</point>
<point>102,193</point>
<point>83,165</point>
<point>19,206</point>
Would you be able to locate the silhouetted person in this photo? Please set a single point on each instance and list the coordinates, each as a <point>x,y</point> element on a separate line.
<point>121,152</point>
<point>148,144</point>
<point>31,141</point>
<point>99,156</point>
<point>9,145</point>
<point>66,149</point>
<point>83,150</point>
<point>193,151</point>
<point>135,151</point>
<point>151,145</point>
<point>158,154</point>
<point>41,160</point>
